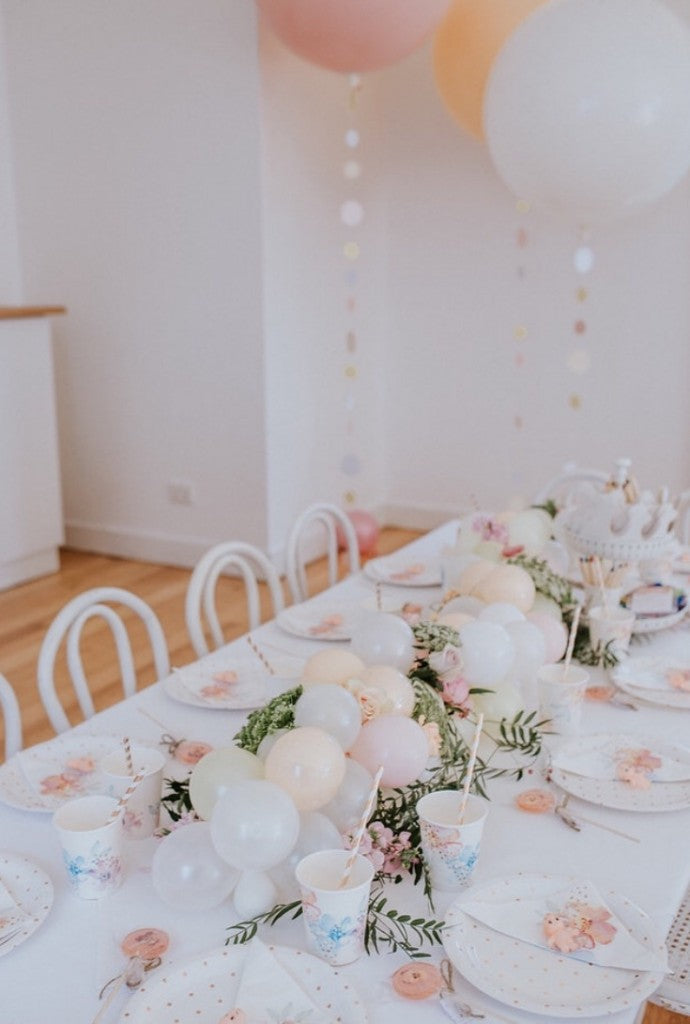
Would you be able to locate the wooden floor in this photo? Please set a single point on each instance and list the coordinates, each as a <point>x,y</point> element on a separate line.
<point>27,611</point>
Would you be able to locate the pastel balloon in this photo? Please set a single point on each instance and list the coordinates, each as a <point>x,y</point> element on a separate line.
<point>587,107</point>
<point>530,648</point>
<point>555,635</point>
<point>333,709</point>
<point>367,532</point>
<point>214,773</point>
<point>255,893</point>
<point>487,653</point>
<point>396,686</point>
<point>556,557</point>
<point>352,35</point>
<point>507,583</point>
<point>268,742</point>
<point>474,574</point>
<point>317,832</point>
<point>397,744</point>
<point>455,619</point>
<point>501,613</point>
<point>465,46</point>
<point>188,873</point>
<point>530,529</point>
<point>254,825</point>
<point>307,763</point>
<point>505,702</point>
<point>331,665</point>
<point>380,638</point>
<point>471,606</point>
<point>546,606</point>
<point>346,807</point>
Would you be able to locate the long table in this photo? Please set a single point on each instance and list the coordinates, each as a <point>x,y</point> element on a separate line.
<point>57,973</point>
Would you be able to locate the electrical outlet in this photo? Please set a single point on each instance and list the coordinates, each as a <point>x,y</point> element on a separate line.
<point>180,492</point>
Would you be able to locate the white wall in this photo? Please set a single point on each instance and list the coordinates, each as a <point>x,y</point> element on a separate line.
<point>136,142</point>
<point>10,271</point>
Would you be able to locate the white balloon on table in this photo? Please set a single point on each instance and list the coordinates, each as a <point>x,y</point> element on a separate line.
<point>531,529</point>
<point>454,619</point>
<point>502,613</point>
<point>255,893</point>
<point>309,764</point>
<point>398,745</point>
<point>332,708</point>
<point>381,638</point>
<point>509,583</point>
<point>268,742</point>
<point>215,772</point>
<point>465,604</point>
<point>187,871</point>
<point>317,832</point>
<point>488,654</point>
<point>397,687</point>
<point>255,825</point>
<point>346,807</point>
<point>587,107</point>
<point>554,632</point>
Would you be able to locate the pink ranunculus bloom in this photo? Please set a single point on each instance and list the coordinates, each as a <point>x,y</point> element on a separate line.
<point>455,691</point>
<point>447,662</point>
<point>490,529</point>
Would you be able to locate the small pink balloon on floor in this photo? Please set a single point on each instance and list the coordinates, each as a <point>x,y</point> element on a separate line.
<point>367,531</point>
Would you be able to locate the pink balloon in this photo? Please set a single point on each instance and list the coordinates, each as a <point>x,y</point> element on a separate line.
<point>353,35</point>
<point>555,634</point>
<point>366,531</point>
<point>396,743</point>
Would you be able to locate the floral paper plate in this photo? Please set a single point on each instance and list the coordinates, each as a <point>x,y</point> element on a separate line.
<point>544,981</point>
<point>204,989</point>
<point>404,573</point>
<point>318,621</point>
<point>32,891</point>
<point>229,686</point>
<point>651,679</point>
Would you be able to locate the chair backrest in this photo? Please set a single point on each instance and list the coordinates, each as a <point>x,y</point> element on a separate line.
<point>330,517</point>
<point>12,717</point>
<point>200,602</point>
<point>69,622</point>
<point>560,487</point>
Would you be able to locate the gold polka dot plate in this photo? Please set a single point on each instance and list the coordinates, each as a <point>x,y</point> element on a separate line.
<point>32,892</point>
<point>400,573</point>
<point>203,990</point>
<point>543,981</point>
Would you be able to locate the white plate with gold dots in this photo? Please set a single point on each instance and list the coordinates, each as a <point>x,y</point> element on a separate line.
<point>544,981</point>
<point>32,892</point>
<point>204,989</point>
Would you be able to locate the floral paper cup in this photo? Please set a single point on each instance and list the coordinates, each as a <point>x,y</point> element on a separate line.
<point>91,845</point>
<point>611,626</point>
<point>451,849</point>
<point>142,809</point>
<point>335,918</point>
<point>561,694</point>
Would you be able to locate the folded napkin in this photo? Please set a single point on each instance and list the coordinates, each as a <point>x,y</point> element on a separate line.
<point>267,992</point>
<point>11,914</point>
<point>574,921</point>
<point>622,758</point>
<point>66,766</point>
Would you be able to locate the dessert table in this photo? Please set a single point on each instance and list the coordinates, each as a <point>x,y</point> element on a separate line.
<point>57,973</point>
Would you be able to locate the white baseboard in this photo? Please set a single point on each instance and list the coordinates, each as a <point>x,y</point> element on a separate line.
<point>121,542</point>
<point>40,563</point>
<point>416,517</point>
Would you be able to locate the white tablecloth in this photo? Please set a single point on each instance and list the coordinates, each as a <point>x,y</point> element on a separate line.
<point>56,974</point>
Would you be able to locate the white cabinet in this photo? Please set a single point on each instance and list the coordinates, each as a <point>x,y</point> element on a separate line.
<point>31,527</point>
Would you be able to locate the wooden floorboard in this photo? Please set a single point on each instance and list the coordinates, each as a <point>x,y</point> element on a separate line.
<point>26,612</point>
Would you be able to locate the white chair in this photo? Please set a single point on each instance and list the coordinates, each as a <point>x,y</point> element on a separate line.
<point>329,517</point>
<point>561,486</point>
<point>69,622</point>
<point>12,717</point>
<point>200,600</point>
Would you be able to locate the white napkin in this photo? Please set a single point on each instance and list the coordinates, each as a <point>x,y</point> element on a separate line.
<point>570,909</point>
<point>65,767</point>
<point>267,992</point>
<point>602,758</point>
<point>11,914</point>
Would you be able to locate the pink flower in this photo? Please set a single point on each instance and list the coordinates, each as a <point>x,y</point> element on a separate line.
<point>433,737</point>
<point>490,529</point>
<point>455,691</point>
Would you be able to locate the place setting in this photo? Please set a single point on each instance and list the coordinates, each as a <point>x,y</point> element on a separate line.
<point>319,620</point>
<point>26,897</point>
<point>397,571</point>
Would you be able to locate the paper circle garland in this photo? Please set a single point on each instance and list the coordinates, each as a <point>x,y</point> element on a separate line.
<point>307,763</point>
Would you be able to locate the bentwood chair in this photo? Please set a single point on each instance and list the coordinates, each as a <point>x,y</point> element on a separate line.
<point>12,718</point>
<point>303,545</point>
<point>565,483</point>
<point>69,623</point>
<point>245,560</point>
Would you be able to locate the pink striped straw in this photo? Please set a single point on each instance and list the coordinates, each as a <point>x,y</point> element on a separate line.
<point>359,835</point>
<point>260,655</point>
<point>470,768</point>
<point>119,807</point>
<point>128,755</point>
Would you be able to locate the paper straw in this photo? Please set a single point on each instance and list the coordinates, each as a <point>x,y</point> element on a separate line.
<point>470,768</point>
<point>116,811</point>
<point>571,640</point>
<point>379,602</point>
<point>128,755</point>
<point>359,835</point>
<point>602,586</point>
<point>260,655</point>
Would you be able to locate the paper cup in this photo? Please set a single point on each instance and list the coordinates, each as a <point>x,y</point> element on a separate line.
<point>335,919</point>
<point>561,696</point>
<point>91,845</point>
<point>451,849</point>
<point>611,626</point>
<point>142,809</point>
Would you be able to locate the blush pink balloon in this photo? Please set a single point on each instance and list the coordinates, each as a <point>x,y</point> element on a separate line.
<point>554,632</point>
<point>353,35</point>
<point>393,742</point>
<point>366,531</point>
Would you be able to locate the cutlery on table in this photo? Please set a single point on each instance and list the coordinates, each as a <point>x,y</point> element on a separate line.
<point>574,823</point>
<point>9,936</point>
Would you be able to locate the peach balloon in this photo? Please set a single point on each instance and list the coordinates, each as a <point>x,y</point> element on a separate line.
<point>454,619</point>
<point>398,745</point>
<point>367,532</point>
<point>353,35</point>
<point>307,763</point>
<point>465,46</point>
<point>331,665</point>
<point>397,687</point>
<point>474,574</point>
<point>507,583</point>
<point>555,635</point>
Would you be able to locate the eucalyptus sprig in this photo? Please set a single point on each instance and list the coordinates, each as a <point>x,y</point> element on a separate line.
<point>176,798</point>
<point>245,931</point>
<point>389,930</point>
<point>588,654</point>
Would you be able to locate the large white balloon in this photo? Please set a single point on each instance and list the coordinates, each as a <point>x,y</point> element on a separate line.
<point>212,775</point>
<point>255,893</point>
<point>487,653</point>
<point>188,873</point>
<point>254,825</point>
<point>332,708</point>
<point>587,107</point>
<point>317,832</point>
<point>530,649</point>
<point>380,638</point>
<point>345,809</point>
